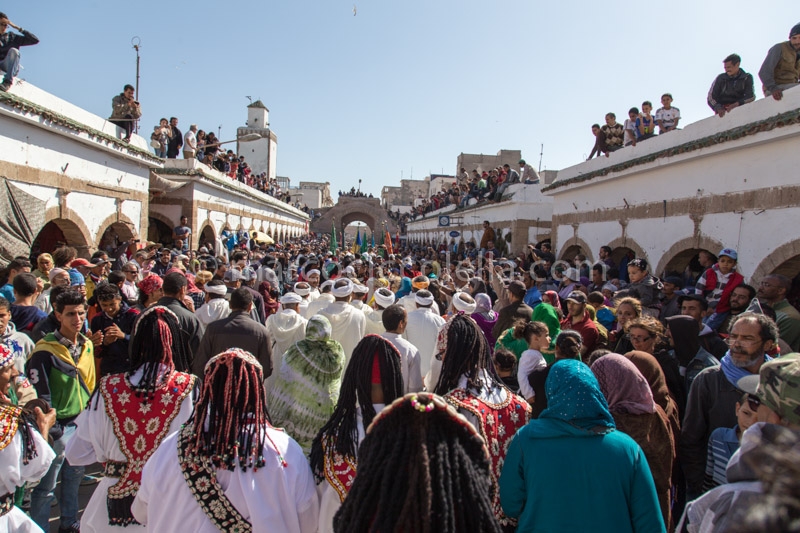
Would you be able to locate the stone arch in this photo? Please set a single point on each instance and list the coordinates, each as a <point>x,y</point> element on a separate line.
<point>785,260</point>
<point>621,245</point>
<point>207,232</point>
<point>72,229</point>
<point>682,254</point>
<point>122,225</point>
<point>575,245</point>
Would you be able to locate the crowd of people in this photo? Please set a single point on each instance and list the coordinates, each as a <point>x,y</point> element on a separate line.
<point>733,88</point>
<point>476,188</point>
<point>300,388</point>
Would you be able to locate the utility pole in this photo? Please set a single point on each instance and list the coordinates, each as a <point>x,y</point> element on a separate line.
<point>541,155</point>
<point>137,43</point>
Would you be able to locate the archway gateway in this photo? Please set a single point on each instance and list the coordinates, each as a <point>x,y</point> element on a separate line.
<point>59,232</point>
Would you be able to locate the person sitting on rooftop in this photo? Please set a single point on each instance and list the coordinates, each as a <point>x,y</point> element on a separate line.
<point>9,50</point>
<point>732,88</point>
<point>781,68</point>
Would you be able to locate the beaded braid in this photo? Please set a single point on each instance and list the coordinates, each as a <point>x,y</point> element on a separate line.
<point>155,341</point>
<point>356,391</point>
<point>467,353</point>
<point>420,469</point>
<point>232,406</point>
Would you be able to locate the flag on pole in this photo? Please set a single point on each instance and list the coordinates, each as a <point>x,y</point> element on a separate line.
<point>388,241</point>
<point>373,240</point>
<point>364,242</point>
<point>334,244</point>
<point>357,244</point>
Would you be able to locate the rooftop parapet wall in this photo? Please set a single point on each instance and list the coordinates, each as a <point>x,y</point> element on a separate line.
<point>32,105</point>
<point>760,121</point>
<point>190,169</point>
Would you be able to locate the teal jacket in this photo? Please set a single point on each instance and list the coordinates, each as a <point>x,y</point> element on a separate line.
<point>558,478</point>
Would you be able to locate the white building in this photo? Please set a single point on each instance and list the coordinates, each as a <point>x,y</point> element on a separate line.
<point>66,176</point>
<point>719,182</point>
<point>261,154</point>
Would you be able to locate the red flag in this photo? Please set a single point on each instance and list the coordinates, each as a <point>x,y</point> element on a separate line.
<point>389,248</point>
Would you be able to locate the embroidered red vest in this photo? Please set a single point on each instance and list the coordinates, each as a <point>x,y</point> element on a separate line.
<point>139,425</point>
<point>498,425</point>
<point>9,423</point>
<point>339,470</point>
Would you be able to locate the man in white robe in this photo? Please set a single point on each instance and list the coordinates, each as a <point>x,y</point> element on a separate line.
<point>417,284</point>
<point>325,298</point>
<point>216,306</point>
<point>383,299</point>
<point>303,289</point>
<point>395,320</point>
<point>312,277</point>
<point>423,329</point>
<point>359,298</point>
<point>285,328</point>
<point>349,324</point>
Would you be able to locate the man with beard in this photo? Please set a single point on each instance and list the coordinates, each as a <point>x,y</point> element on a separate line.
<point>740,299</point>
<point>714,393</point>
<point>781,68</point>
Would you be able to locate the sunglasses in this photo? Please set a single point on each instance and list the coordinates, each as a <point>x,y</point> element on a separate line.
<point>753,402</point>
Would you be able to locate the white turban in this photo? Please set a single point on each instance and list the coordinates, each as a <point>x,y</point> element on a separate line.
<point>302,288</point>
<point>312,272</point>
<point>461,304</point>
<point>291,298</point>
<point>424,298</point>
<point>344,290</point>
<point>360,289</point>
<point>326,283</point>
<point>219,290</point>
<point>384,297</point>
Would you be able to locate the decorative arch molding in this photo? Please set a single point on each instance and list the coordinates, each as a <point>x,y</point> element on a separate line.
<point>627,242</point>
<point>772,263</point>
<point>701,242</point>
<point>116,218</point>
<point>209,225</point>
<point>75,228</point>
<point>161,218</point>
<point>577,241</point>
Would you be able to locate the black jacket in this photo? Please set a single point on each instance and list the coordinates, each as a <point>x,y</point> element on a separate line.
<point>237,330</point>
<point>190,326</point>
<point>730,90</point>
<point>10,40</point>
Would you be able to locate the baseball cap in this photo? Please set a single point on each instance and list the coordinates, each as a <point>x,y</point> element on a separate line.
<point>232,275</point>
<point>729,252</point>
<point>674,280</point>
<point>777,386</point>
<point>248,274</point>
<point>98,261</point>
<point>576,296</point>
<point>79,262</point>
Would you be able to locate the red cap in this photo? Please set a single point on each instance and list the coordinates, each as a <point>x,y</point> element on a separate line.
<point>79,262</point>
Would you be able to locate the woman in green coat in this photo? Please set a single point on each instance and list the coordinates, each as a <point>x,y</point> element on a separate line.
<point>571,471</point>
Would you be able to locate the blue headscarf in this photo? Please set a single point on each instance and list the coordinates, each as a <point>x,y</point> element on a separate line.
<point>405,288</point>
<point>574,396</point>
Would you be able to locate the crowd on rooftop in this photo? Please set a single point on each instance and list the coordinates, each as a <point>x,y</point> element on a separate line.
<point>733,88</point>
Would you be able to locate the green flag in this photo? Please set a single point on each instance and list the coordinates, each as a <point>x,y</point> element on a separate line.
<point>334,244</point>
<point>364,242</point>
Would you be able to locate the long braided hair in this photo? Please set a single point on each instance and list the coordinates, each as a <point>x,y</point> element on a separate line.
<point>156,342</point>
<point>356,392</point>
<point>467,353</point>
<point>231,416</point>
<point>422,468</point>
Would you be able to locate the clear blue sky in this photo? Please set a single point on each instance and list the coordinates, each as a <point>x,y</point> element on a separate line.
<point>403,84</point>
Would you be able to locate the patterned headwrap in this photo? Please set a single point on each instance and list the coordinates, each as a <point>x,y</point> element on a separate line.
<point>483,303</point>
<point>624,387</point>
<point>150,284</point>
<point>420,282</point>
<point>573,396</point>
